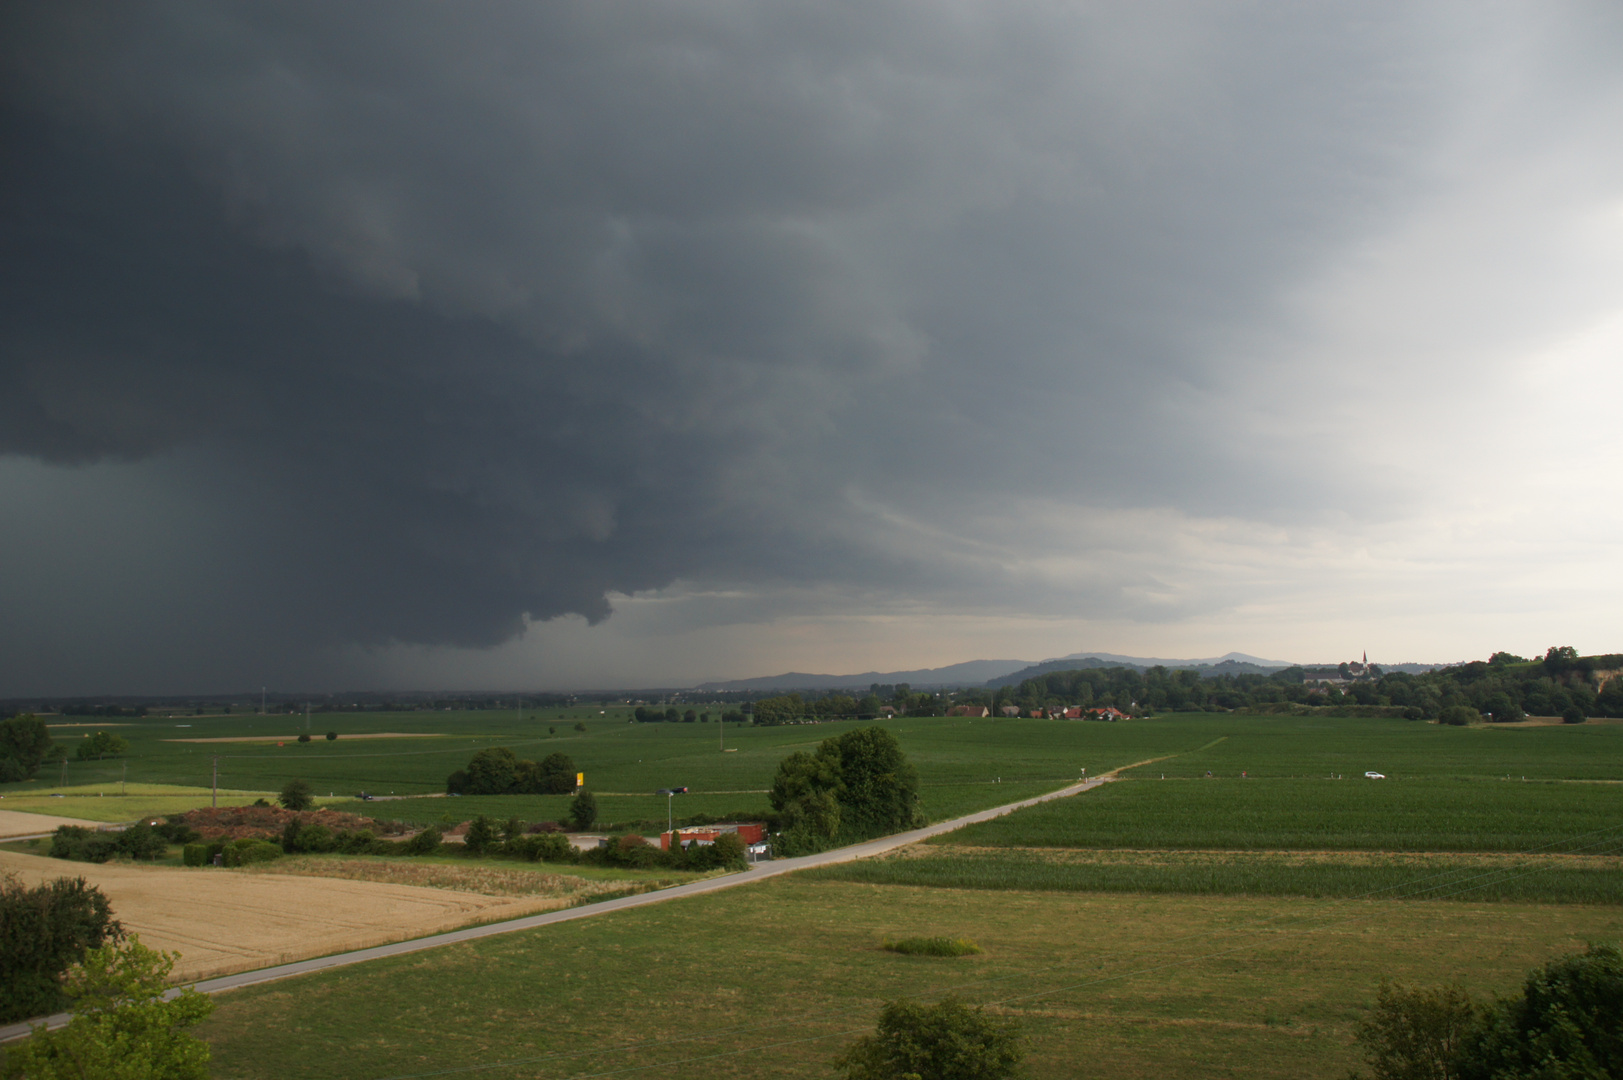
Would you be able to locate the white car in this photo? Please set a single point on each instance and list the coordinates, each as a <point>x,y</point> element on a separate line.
<point>1376,775</point>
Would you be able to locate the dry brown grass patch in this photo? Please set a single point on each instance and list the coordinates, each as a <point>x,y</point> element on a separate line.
<point>481,879</point>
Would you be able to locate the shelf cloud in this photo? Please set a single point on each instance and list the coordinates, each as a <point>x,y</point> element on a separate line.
<point>354,342</point>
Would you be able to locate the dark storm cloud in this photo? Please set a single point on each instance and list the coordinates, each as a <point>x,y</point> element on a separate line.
<point>445,315</point>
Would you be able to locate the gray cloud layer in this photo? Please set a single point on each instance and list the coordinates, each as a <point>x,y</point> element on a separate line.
<point>417,320</point>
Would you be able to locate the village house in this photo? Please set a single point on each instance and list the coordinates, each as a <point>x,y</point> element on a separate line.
<point>750,832</point>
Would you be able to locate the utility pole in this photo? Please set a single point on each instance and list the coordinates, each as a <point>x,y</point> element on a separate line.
<point>721,723</point>
<point>214,786</point>
<point>261,701</point>
<point>125,776</point>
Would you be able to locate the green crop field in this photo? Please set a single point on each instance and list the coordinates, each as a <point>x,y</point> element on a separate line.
<point>1351,814</point>
<point>963,764</point>
<point>1371,875</point>
<point>775,980</point>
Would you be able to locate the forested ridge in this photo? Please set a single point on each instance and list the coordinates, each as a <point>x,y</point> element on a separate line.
<point>1503,688</point>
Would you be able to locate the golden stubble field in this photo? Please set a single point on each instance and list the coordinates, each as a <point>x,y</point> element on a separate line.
<point>223,921</point>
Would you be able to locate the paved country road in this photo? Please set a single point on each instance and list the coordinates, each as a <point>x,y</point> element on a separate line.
<point>757,872</point>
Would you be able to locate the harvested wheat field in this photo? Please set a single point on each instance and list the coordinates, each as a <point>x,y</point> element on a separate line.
<point>222,921</point>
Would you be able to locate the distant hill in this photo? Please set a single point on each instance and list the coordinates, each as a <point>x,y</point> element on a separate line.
<point>1230,664</point>
<point>969,673</point>
<point>995,673</point>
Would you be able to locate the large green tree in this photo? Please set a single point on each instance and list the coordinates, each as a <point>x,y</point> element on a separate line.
<point>805,796</point>
<point>854,786</point>
<point>879,788</point>
<point>25,741</point>
<point>122,1028</point>
<point>44,931</point>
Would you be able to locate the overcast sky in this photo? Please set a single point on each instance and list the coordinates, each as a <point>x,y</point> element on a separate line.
<point>602,344</point>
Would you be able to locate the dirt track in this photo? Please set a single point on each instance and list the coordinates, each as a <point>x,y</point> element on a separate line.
<point>223,921</point>
<point>23,823</point>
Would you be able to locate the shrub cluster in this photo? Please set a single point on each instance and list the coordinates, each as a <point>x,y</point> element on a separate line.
<point>498,771</point>
<point>318,839</point>
<point>139,841</point>
<point>488,838</point>
<point>248,851</point>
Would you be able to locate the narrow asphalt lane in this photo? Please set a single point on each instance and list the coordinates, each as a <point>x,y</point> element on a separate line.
<point>757,872</point>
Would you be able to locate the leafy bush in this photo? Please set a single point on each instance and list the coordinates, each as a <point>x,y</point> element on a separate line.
<point>139,841</point>
<point>1459,715</point>
<point>426,842</point>
<point>932,946</point>
<point>103,744</point>
<point>176,831</point>
<point>25,743</point>
<point>304,737</point>
<point>1568,1022</point>
<point>948,1039</point>
<point>543,847</point>
<point>82,845</point>
<point>332,735</point>
<point>727,852</point>
<point>480,837</point>
<point>1415,1033</point>
<point>142,841</point>
<point>122,1025</point>
<point>44,931</point>
<point>196,855</point>
<point>296,795</point>
<point>583,810</point>
<point>297,838</point>
<point>246,852</point>
<point>361,842</point>
<point>1572,715</point>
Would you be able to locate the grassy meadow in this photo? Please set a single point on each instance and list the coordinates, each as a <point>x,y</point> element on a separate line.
<point>775,980</point>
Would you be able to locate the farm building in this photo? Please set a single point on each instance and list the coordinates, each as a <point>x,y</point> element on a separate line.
<point>751,832</point>
<point>976,711</point>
